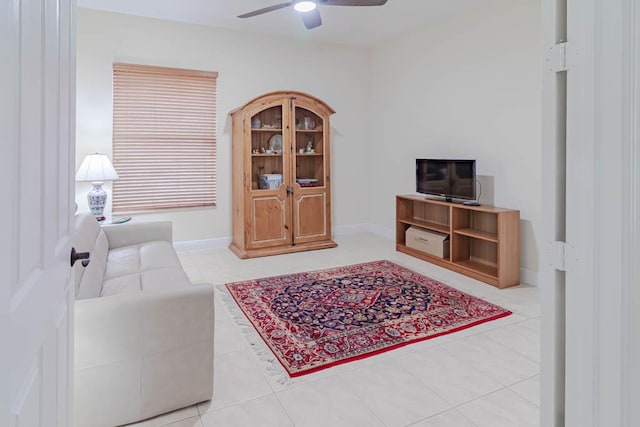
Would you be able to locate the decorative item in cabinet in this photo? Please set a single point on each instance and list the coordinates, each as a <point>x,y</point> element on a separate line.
<point>281,186</point>
<point>307,182</point>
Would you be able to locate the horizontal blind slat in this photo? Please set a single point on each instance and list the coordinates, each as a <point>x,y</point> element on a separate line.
<point>151,70</point>
<point>164,137</point>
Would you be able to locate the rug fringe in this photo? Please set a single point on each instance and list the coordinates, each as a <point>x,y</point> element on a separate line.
<point>264,354</point>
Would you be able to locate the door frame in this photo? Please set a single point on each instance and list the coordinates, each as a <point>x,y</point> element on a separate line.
<point>588,309</point>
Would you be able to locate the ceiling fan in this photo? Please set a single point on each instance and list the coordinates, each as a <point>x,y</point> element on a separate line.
<point>308,9</point>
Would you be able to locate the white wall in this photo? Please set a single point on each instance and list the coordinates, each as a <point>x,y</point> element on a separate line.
<point>248,66</point>
<point>468,87</point>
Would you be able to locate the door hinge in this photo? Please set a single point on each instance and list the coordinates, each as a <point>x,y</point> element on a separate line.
<point>559,57</point>
<point>563,256</point>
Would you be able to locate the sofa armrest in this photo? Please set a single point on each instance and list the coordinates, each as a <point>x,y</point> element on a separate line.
<point>132,234</point>
<point>129,326</point>
<point>138,355</point>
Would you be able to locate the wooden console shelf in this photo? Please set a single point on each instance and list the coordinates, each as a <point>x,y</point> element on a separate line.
<point>484,241</point>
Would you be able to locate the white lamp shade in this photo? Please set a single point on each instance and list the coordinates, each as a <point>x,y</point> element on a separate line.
<point>96,167</point>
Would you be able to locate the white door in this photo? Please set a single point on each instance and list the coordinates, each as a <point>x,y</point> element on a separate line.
<point>37,128</point>
<point>591,154</point>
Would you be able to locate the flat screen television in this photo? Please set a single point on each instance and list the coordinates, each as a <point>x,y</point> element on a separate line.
<point>451,179</point>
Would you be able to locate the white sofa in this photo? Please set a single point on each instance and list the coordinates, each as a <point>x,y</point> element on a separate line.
<point>143,332</point>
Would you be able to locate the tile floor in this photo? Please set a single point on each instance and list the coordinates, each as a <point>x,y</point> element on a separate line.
<point>485,376</point>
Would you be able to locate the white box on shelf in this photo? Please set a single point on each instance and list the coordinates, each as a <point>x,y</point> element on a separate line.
<point>270,181</point>
<point>431,242</point>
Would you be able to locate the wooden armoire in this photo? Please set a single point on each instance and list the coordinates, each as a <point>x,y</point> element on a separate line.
<point>281,179</point>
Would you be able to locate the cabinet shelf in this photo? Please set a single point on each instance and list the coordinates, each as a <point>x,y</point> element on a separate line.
<point>266,155</point>
<point>309,130</point>
<point>434,226</point>
<point>484,241</point>
<point>266,129</point>
<point>423,255</point>
<point>478,267</point>
<point>470,232</point>
<point>309,155</point>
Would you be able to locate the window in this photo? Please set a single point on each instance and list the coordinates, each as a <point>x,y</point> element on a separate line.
<point>164,138</point>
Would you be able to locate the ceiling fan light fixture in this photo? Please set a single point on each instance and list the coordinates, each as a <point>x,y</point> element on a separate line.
<point>304,6</point>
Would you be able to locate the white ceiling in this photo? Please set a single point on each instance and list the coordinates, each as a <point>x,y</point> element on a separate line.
<point>357,26</point>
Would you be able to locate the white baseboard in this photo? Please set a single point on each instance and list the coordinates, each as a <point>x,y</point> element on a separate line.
<point>381,231</point>
<point>343,230</point>
<point>223,242</point>
<point>199,245</point>
<point>368,227</point>
<point>529,277</point>
<point>526,276</point>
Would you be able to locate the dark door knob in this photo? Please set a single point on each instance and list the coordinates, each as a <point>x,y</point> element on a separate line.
<point>75,256</point>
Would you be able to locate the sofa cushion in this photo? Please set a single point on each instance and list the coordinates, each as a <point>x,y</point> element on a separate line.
<point>147,266</point>
<point>89,237</point>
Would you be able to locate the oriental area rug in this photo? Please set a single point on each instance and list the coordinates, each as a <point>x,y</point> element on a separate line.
<point>315,320</point>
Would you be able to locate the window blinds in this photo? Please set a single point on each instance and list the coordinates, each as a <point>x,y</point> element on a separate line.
<point>164,138</point>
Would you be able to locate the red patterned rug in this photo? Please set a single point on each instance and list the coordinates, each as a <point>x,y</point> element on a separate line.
<point>318,319</point>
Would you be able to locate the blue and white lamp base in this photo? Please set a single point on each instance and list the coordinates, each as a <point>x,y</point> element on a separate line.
<point>97,199</point>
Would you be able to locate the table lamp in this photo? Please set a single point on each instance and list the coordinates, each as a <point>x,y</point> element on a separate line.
<point>96,168</point>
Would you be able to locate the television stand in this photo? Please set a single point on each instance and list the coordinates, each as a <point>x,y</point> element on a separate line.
<point>484,241</point>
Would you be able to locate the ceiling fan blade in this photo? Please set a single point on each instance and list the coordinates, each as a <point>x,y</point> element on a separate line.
<point>265,10</point>
<point>311,19</point>
<point>352,2</point>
